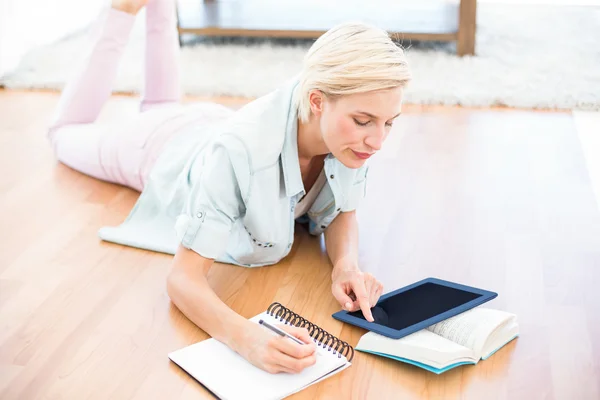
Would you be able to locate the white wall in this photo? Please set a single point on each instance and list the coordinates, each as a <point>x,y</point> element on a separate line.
<point>28,23</point>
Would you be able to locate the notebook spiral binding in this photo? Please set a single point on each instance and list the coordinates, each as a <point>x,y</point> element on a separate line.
<point>323,337</point>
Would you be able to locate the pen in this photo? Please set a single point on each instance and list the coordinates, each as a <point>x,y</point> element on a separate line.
<point>280,332</point>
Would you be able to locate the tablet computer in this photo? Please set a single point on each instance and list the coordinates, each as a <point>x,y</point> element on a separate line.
<point>417,306</point>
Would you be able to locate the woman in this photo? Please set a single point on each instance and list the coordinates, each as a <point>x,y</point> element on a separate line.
<point>218,185</point>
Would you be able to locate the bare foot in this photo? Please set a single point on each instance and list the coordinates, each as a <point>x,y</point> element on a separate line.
<point>129,6</point>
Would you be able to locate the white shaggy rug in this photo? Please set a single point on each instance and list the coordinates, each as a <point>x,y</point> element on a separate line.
<point>527,57</point>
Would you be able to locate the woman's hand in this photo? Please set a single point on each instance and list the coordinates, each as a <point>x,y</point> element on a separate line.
<point>274,353</point>
<point>355,290</point>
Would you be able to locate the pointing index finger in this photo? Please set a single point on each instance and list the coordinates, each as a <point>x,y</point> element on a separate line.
<point>361,295</point>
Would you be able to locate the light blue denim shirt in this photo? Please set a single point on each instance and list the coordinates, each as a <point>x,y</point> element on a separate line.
<point>229,192</point>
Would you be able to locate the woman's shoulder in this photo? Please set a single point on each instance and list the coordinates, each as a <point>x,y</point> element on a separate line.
<point>260,127</point>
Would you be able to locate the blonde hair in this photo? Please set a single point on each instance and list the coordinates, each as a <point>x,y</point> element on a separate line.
<point>350,58</point>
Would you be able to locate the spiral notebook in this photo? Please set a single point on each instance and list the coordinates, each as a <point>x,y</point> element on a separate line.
<point>229,376</point>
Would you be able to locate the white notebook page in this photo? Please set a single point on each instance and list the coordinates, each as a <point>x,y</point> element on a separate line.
<point>229,376</point>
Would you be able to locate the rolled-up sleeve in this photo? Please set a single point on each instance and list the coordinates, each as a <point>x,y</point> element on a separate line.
<point>357,191</point>
<point>214,204</point>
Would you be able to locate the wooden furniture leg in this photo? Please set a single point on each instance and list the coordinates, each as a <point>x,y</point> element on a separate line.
<point>178,26</point>
<point>465,43</point>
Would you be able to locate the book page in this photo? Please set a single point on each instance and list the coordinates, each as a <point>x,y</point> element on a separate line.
<point>230,376</point>
<point>422,346</point>
<point>500,338</point>
<point>471,328</point>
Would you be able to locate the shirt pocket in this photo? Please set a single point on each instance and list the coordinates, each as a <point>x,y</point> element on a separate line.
<point>257,241</point>
<point>249,250</point>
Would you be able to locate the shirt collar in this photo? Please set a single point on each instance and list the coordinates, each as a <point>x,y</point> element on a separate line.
<point>289,156</point>
<point>290,162</point>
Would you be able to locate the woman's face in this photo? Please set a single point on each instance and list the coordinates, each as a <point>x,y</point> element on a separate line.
<point>355,126</point>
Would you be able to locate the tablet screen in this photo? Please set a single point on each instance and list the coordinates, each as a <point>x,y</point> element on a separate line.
<point>417,304</point>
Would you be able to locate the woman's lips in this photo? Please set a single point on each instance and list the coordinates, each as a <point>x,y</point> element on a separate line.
<point>363,156</point>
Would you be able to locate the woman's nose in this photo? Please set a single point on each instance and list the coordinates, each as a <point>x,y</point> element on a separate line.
<point>375,141</point>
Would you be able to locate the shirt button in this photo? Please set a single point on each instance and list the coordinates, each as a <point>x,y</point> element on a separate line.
<point>338,209</point>
<point>323,227</point>
<point>200,215</point>
<point>331,176</point>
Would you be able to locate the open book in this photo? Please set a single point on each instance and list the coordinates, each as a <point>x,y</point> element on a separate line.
<point>229,376</point>
<point>464,339</point>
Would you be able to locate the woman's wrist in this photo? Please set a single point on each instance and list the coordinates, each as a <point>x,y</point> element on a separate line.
<point>344,265</point>
<point>237,333</point>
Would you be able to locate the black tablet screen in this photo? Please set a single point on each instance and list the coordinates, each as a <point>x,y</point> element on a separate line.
<point>417,304</point>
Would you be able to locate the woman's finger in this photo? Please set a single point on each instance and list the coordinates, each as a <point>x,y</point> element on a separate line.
<point>343,298</point>
<point>292,349</point>
<point>375,294</point>
<point>369,284</point>
<point>358,286</point>
<point>281,368</point>
<point>295,365</point>
<point>300,333</point>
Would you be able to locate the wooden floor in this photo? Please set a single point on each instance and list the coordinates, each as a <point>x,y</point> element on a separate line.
<point>500,199</point>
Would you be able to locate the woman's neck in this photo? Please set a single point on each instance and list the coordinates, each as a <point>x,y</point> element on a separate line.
<point>310,140</point>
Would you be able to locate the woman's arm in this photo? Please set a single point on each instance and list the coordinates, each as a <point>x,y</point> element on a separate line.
<point>341,240</point>
<point>188,288</point>
<point>352,288</point>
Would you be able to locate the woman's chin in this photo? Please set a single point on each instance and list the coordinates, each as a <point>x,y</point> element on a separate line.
<point>350,160</point>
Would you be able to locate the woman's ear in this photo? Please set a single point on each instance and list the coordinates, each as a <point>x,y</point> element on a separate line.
<point>316,100</point>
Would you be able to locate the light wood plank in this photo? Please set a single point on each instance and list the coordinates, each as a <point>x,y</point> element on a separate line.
<point>495,198</point>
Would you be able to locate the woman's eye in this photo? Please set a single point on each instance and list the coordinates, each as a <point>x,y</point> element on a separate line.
<point>361,123</point>
<point>389,124</point>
